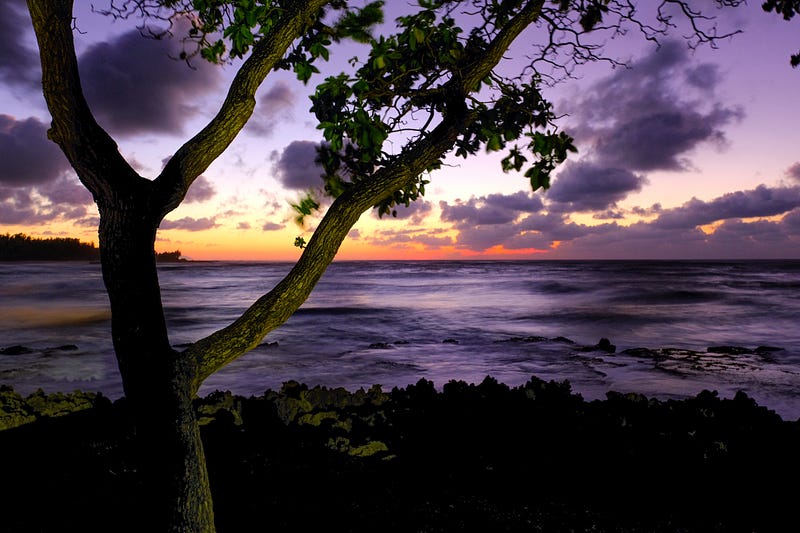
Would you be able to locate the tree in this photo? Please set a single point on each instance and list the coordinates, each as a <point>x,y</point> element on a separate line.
<point>432,87</point>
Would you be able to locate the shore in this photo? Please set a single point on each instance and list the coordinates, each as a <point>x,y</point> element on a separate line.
<point>484,457</point>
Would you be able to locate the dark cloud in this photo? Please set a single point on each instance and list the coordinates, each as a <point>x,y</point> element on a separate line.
<point>403,239</point>
<point>656,139</point>
<point>243,225</point>
<point>189,224</point>
<point>489,220</point>
<point>794,171</point>
<point>759,202</point>
<point>792,222</point>
<point>27,156</point>
<point>271,226</point>
<point>643,118</point>
<point>491,210</point>
<point>704,76</point>
<point>36,183</point>
<point>587,186</point>
<point>609,215</point>
<point>274,108</point>
<point>674,234</point>
<point>134,84</point>
<point>296,167</point>
<point>200,191</point>
<point>19,65</point>
<point>733,239</point>
<point>647,211</point>
<point>415,213</point>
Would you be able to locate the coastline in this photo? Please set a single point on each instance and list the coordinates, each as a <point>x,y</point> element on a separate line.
<point>485,457</point>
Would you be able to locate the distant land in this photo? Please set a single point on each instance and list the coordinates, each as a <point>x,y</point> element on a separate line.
<point>21,247</point>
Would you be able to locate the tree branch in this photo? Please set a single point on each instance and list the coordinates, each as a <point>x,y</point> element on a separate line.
<point>199,152</point>
<point>90,150</point>
<point>275,307</point>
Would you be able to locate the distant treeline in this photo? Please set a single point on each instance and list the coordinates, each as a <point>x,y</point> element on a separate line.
<point>21,247</point>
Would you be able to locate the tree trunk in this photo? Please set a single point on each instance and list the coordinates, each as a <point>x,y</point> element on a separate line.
<point>159,383</point>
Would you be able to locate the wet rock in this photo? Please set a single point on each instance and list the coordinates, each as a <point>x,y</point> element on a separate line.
<point>15,350</point>
<point>380,346</point>
<point>604,345</point>
<point>729,350</point>
<point>530,338</point>
<point>642,352</point>
<point>64,348</point>
<point>450,341</point>
<point>768,349</point>
<point>563,339</point>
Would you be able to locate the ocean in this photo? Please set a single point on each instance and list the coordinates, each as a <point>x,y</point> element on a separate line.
<point>392,323</point>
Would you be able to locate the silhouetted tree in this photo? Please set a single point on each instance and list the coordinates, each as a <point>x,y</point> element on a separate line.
<point>431,88</point>
<point>21,247</point>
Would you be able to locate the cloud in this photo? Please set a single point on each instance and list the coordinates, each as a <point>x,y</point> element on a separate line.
<point>733,239</point>
<point>135,85</point>
<point>200,191</point>
<point>647,211</point>
<point>489,220</point>
<point>415,213</point>
<point>19,65</point>
<point>404,239</point>
<point>609,215</point>
<point>296,167</point>
<point>62,199</point>
<point>36,182</point>
<point>759,202</point>
<point>273,108</point>
<point>271,226</point>
<point>189,224</point>
<point>243,226</point>
<point>493,209</point>
<point>643,118</point>
<point>675,233</point>
<point>793,171</point>
<point>792,222</point>
<point>588,186</point>
<point>27,157</point>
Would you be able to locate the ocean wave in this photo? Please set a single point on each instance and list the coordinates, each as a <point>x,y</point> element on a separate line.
<point>50,316</point>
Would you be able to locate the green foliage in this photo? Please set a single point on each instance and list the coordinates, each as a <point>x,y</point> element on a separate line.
<point>307,206</point>
<point>407,84</point>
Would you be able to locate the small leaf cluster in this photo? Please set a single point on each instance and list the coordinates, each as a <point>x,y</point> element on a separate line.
<point>243,23</point>
<point>787,9</point>
<point>305,207</point>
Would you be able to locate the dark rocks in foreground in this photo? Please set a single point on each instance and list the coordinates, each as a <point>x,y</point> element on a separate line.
<point>485,457</point>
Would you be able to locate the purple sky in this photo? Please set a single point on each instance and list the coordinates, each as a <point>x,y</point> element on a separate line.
<point>684,154</point>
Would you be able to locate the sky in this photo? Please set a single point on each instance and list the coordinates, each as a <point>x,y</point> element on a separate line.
<point>683,154</point>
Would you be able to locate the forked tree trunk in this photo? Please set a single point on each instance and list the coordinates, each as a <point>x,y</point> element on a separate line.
<point>159,384</point>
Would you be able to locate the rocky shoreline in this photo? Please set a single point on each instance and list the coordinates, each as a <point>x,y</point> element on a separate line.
<point>484,457</point>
